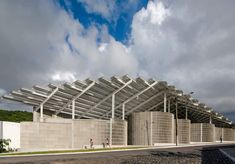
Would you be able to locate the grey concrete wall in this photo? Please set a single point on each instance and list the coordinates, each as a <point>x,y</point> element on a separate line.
<point>149,128</point>
<point>119,132</point>
<point>86,129</point>
<point>208,132</point>
<point>202,132</point>
<point>162,127</point>
<point>218,133</point>
<point>65,133</point>
<point>139,128</point>
<point>228,134</point>
<point>184,132</point>
<point>35,135</point>
<point>196,132</point>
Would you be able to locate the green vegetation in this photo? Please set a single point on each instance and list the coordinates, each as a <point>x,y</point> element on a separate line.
<point>4,145</point>
<point>15,116</point>
<point>72,151</point>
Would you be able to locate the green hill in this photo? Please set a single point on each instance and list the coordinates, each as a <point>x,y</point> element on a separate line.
<point>15,116</point>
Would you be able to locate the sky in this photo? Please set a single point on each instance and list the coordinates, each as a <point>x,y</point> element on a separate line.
<point>189,44</point>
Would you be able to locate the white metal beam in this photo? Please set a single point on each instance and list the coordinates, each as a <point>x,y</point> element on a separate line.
<point>52,93</point>
<point>75,97</point>
<point>131,98</point>
<point>73,109</point>
<point>106,98</point>
<point>154,106</point>
<point>123,111</point>
<point>138,106</point>
<point>165,102</point>
<point>113,105</point>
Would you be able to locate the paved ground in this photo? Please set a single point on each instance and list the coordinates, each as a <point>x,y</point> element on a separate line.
<point>196,154</point>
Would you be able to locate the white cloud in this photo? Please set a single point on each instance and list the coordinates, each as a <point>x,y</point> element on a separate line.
<point>103,7</point>
<point>64,76</point>
<point>2,92</point>
<point>155,13</point>
<point>194,50</point>
<point>191,47</point>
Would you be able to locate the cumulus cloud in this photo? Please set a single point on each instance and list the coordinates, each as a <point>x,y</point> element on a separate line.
<point>41,42</point>
<point>102,7</point>
<point>192,48</point>
<point>187,43</point>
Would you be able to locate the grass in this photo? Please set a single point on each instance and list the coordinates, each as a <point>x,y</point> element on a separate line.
<point>69,151</point>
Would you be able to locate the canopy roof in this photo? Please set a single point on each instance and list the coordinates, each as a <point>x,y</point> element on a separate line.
<point>93,99</point>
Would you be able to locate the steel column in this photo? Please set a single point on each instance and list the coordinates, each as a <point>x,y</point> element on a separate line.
<point>165,102</point>
<point>113,105</point>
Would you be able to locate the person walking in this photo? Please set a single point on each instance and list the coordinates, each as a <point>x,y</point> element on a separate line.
<point>107,142</point>
<point>221,139</point>
<point>91,143</point>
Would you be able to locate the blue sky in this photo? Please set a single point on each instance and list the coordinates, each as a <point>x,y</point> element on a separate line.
<point>119,24</point>
<point>189,44</point>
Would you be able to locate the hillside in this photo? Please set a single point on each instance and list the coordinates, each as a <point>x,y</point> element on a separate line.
<point>15,116</point>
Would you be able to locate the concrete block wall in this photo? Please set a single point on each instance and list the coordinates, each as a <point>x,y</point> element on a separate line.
<point>139,128</point>
<point>202,132</point>
<point>196,132</point>
<point>119,132</point>
<point>36,135</point>
<point>149,128</point>
<point>162,127</point>
<point>86,129</point>
<point>218,133</point>
<point>67,133</point>
<point>228,134</point>
<point>208,132</point>
<point>184,131</point>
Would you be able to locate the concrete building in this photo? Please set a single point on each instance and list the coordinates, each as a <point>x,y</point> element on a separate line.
<point>158,113</point>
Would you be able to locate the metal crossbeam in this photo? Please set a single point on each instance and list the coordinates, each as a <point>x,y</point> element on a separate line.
<point>106,98</point>
<point>52,93</point>
<point>75,97</point>
<point>131,98</point>
<point>138,106</point>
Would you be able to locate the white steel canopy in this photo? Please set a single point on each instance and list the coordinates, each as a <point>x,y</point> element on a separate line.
<point>117,97</point>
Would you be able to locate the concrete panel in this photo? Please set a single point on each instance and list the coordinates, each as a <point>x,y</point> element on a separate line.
<point>208,132</point>
<point>228,134</point>
<point>84,130</point>
<point>139,128</point>
<point>119,132</point>
<point>218,133</point>
<point>202,132</point>
<point>10,130</point>
<point>162,129</point>
<point>66,133</point>
<point>149,128</point>
<point>184,133</point>
<point>35,135</point>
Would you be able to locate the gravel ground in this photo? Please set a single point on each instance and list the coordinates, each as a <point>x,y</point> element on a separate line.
<point>185,155</point>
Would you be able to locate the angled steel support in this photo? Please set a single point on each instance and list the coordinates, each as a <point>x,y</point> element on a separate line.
<point>106,98</point>
<point>123,111</point>
<point>138,106</point>
<point>52,93</point>
<point>132,97</point>
<point>73,109</point>
<point>154,106</point>
<point>113,105</point>
<point>75,97</point>
<point>165,99</point>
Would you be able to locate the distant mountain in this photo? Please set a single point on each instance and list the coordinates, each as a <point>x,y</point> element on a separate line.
<point>15,116</point>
